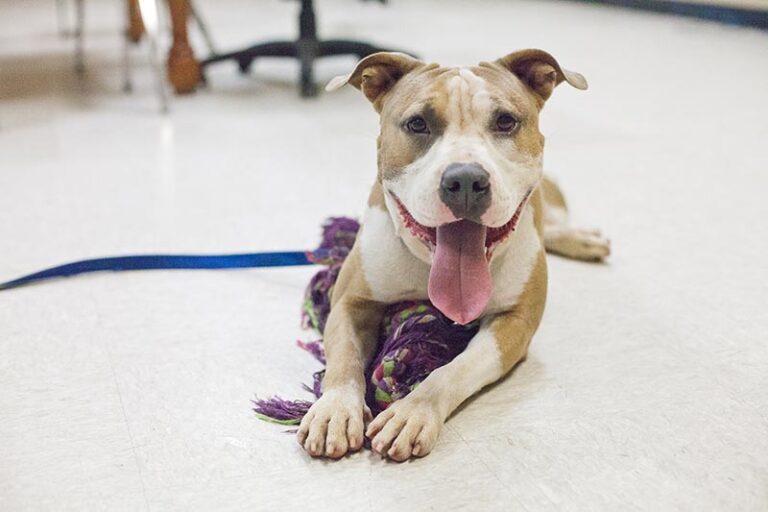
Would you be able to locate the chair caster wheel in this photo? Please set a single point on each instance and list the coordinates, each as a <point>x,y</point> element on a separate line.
<point>244,65</point>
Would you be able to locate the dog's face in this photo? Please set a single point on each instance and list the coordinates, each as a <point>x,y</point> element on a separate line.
<point>459,151</point>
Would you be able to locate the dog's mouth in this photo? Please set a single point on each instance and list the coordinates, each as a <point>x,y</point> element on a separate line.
<point>460,276</point>
<point>428,235</point>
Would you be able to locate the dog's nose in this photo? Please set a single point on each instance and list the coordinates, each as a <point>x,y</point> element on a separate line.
<point>465,188</point>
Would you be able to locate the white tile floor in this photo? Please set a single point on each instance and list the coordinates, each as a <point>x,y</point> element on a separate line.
<point>646,387</point>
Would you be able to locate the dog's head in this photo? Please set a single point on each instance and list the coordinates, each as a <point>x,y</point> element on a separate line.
<point>459,153</point>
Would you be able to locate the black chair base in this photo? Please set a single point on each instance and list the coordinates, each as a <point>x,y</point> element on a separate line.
<point>306,49</point>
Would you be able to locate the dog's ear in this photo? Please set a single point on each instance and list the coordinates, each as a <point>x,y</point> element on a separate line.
<point>376,74</point>
<point>540,71</point>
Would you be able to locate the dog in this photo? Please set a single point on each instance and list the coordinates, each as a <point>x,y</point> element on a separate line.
<point>460,213</point>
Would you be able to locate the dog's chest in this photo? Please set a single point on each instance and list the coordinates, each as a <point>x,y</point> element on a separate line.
<point>512,269</point>
<point>391,271</point>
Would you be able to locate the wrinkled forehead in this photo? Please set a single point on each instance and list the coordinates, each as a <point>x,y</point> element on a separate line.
<point>456,96</point>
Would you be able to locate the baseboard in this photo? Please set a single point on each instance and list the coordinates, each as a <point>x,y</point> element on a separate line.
<point>731,12</point>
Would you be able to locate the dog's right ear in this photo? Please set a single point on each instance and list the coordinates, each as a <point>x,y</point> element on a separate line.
<point>376,74</point>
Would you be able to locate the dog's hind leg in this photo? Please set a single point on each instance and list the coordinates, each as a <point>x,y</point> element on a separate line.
<point>563,239</point>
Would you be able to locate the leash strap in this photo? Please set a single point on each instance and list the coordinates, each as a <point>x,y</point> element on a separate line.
<point>164,262</point>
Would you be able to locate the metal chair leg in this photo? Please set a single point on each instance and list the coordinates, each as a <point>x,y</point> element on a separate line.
<point>79,37</point>
<point>151,14</point>
<point>62,18</point>
<point>203,28</point>
<point>127,79</point>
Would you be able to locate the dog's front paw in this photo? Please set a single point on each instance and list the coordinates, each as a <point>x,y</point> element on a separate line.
<point>334,424</point>
<point>407,428</point>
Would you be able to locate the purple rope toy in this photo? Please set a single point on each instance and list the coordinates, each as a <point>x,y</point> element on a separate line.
<point>415,337</point>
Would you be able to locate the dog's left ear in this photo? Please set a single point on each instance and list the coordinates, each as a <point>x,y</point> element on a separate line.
<point>540,71</point>
<point>376,74</point>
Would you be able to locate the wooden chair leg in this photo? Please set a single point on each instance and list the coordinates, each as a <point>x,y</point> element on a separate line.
<point>135,22</point>
<point>183,67</point>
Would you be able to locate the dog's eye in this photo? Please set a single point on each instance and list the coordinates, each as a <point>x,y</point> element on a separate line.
<point>506,123</point>
<point>417,124</point>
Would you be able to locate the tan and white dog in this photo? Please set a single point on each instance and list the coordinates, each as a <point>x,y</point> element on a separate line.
<point>460,214</point>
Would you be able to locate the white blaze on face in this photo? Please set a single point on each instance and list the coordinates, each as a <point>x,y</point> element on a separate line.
<point>468,104</point>
<point>469,111</point>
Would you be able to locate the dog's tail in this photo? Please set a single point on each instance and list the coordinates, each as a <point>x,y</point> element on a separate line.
<point>563,239</point>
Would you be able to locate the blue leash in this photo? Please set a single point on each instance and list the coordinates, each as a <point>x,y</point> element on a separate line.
<point>164,261</point>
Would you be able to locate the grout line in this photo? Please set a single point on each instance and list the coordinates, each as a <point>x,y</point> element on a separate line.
<point>475,454</point>
<point>105,344</point>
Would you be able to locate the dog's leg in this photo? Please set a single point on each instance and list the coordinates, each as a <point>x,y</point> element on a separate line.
<point>563,239</point>
<point>334,424</point>
<point>410,427</point>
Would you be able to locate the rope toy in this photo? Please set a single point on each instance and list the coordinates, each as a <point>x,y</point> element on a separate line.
<point>415,337</point>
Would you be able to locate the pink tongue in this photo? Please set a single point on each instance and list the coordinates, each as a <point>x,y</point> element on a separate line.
<point>460,280</point>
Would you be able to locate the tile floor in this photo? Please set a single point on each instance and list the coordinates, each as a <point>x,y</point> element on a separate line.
<point>646,387</point>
